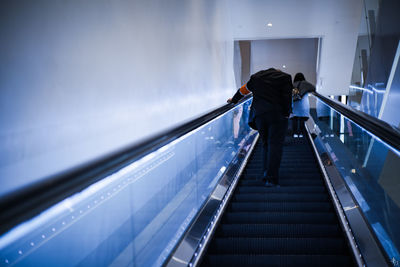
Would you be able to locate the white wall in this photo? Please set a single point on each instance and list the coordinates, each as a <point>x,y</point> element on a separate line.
<point>289,55</point>
<point>336,21</point>
<point>79,79</point>
<point>237,64</point>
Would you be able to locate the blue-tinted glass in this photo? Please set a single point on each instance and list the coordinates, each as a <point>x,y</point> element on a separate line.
<point>383,66</point>
<point>381,94</point>
<point>370,168</point>
<point>137,215</point>
<point>368,100</point>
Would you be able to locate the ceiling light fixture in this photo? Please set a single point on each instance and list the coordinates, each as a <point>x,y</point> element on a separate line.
<point>269,24</point>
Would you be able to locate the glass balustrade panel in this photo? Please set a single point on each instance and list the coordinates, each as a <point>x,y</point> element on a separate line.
<point>136,216</point>
<point>369,167</point>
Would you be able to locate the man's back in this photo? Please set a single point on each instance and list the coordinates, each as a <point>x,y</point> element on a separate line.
<point>272,91</point>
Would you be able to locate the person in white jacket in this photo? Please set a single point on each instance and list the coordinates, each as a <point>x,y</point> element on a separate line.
<point>301,106</point>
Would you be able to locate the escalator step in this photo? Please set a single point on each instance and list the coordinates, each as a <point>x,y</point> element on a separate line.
<point>299,176</point>
<point>278,230</point>
<point>284,175</point>
<point>287,189</point>
<point>290,246</point>
<point>280,196</point>
<point>259,169</point>
<point>291,225</point>
<point>302,151</point>
<point>298,157</point>
<point>277,260</point>
<point>311,170</point>
<point>286,161</point>
<point>284,182</point>
<point>280,206</point>
<point>284,165</point>
<point>304,171</point>
<point>279,217</point>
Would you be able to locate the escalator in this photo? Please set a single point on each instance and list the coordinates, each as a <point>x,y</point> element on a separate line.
<point>291,225</point>
<point>190,196</point>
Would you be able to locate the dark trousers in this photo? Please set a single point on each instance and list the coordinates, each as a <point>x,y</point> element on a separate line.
<point>298,124</point>
<point>272,129</point>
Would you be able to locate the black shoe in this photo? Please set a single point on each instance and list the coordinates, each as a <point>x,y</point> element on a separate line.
<point>263,178</point>
<point>269,184</point>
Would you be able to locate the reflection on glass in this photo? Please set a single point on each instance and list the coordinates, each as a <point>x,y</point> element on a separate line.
<point>368,100</point>
<point>370,168</point>
<point>137,215</point>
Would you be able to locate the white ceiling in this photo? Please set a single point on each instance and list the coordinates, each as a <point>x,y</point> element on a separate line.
<point>337,22</point>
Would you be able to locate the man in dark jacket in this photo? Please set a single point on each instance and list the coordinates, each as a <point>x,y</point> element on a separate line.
<point>272,101</point>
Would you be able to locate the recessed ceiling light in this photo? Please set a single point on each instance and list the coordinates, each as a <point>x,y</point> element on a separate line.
<point>269,24</point>
<point>284,66</point>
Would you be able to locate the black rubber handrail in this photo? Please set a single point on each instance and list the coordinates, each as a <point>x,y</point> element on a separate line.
<point>25,203</point>
<point>384,131</point>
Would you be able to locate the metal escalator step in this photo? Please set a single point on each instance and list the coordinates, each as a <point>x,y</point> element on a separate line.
<point>279,230</point>
<point>280,196</point>
<point>277,260</point>
<point>279,217</point>
<point>281,190</point>
<point>299,157</point>
<point>284,164</point>
<point>291,164</point>
<point>293,225</point>
<point>259,169</point>
<point>284,175</point>
<point>302,151</point>
<point>290,246</point>
<point>286,161</point>
<point>299,171</point>
<point>299,174</point>
<point>299,182</point>
<point>308,170</point>
<point>284,182</point>
<point>280,206</point>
